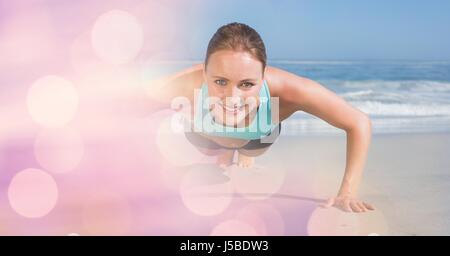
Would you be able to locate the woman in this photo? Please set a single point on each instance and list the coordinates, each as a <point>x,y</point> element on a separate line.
<point>238,104</point>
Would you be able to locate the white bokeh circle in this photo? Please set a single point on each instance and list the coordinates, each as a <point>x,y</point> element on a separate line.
<point>117,36</point>
<point>257,183</point>
<point>52,101</point>
<point>204,192</point>
<point>264,218</point>
<point>32,193</point>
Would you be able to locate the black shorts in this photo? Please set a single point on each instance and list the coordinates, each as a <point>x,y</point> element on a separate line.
<point>202,142</point>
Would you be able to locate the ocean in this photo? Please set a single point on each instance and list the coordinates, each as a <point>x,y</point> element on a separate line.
<point>399,96</point>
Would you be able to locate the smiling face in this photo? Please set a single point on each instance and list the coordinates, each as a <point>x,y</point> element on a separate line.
<point>234,79</point>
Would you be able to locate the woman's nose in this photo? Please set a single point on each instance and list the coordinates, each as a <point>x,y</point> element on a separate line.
<point>233,96</point>
<point>233,101</point>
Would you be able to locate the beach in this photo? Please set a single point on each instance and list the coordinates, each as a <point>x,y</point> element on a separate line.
<point>406,178</point>
<point>85,148</point>
<point>106,170</point>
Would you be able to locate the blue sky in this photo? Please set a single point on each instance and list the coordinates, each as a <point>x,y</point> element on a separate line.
<point>331,29</point>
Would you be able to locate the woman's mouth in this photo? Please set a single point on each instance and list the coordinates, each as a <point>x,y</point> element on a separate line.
<point>232,110</point>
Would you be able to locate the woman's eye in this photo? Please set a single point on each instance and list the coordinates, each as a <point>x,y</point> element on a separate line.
<point>220,82</point>
<point>247,85</point>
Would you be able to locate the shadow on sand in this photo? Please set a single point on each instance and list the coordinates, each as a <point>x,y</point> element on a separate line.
<point>211,174</point>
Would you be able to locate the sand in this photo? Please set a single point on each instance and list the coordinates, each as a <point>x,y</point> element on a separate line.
<point>406,177</point>
<point>116,192</point>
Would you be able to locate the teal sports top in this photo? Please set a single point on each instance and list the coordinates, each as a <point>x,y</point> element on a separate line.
<point>260,126</point>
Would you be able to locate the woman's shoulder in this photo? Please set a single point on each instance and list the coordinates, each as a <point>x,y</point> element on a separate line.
<point>182,83</point>
<point>190,77</point>
<point>281,81</point>
<point>193,77</point>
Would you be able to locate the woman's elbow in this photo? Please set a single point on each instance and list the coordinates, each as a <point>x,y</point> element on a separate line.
<point>361,124</point>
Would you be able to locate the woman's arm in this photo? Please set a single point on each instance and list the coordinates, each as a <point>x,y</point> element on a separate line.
<point>158,94</point>
<point>181,84</point>
<point>309,96</point>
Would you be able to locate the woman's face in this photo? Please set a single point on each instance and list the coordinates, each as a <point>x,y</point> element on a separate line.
<point>234,80</point>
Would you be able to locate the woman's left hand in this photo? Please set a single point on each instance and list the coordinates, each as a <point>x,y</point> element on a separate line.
<point>348,204</point>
